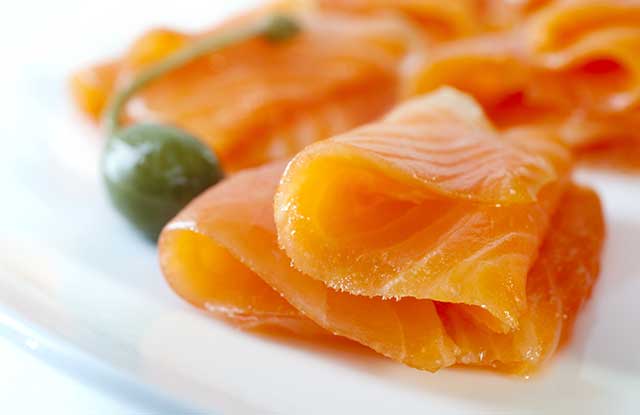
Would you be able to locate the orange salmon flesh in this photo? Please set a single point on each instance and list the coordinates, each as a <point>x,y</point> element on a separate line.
<point>477,252</point>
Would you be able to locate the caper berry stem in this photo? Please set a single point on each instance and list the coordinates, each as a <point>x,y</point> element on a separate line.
<point>275,28</point>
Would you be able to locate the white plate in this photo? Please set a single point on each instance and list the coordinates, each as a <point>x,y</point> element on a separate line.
<point>81,290</point>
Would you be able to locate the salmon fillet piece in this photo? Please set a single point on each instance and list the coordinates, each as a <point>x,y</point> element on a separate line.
<point>430,202</point>
<point>420,333</point>
<point>558,284</point>
<point>256,101</point>
<point>222,253</point>
<point>241,222</point>
<point>571,69</point>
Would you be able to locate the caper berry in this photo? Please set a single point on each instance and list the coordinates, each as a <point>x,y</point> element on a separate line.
<point>152,171</point>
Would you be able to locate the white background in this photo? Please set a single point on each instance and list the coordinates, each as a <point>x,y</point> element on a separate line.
<point>80,292</point>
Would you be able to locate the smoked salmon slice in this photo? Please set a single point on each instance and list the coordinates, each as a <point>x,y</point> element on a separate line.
<point>568,68</point>
<point>557,286</point>
<point>239,220</point>
<point>256,101</point>
<point>430,202</point>
<point>223,251</point>
<point>571,68</point>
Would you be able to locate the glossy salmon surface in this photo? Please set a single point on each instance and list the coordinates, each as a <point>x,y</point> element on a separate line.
<point>256,101</point>
<point>429,202</point>
<point>570,68</point>
<point>479,277</point>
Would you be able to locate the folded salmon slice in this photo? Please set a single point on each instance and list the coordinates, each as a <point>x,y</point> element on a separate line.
<point>572,69</point>
<point>208,276</point>
<point>236,217</point>
<point>257,101</point>
<point>221,253</point>
<point>557,286</point>
<point>430,203</point>
<point>591,47</point>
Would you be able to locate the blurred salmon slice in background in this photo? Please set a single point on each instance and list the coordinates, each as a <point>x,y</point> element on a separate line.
<point>256,101</point>
<point>448,20</point>
<point>570,69</point>
<point>427,236</point>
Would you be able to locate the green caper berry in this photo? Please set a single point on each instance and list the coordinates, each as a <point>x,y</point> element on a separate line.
<point>152,171</point>
<point>279,27</point>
